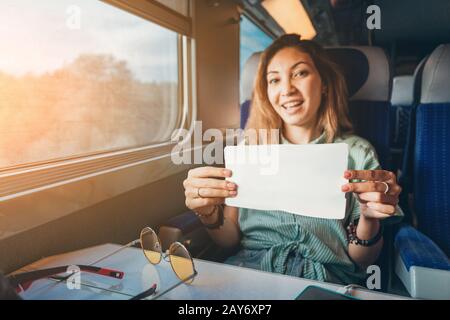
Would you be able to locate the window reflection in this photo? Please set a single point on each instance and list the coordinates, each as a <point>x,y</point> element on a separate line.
<point>253,39</point>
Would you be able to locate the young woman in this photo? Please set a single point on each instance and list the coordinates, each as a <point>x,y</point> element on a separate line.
<point>300,91</point>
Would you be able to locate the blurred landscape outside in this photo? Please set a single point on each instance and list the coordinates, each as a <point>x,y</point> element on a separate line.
<point>110,84</point>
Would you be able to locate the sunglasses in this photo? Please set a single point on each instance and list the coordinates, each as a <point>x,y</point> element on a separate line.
<point>177,255</point>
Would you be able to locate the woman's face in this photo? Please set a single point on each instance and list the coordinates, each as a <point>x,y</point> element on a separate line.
<point>294,87</point>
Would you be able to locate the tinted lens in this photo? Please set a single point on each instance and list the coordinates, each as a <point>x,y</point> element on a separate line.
<point>151,246</point>
<point>181,262</point>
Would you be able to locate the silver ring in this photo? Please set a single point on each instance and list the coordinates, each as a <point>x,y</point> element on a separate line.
<point>387,187</point>
<point>198,193</point>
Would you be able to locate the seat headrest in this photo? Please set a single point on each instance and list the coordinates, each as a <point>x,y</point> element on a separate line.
<point>436,76</point>
<point>403,91</point>
<point>366,71</point>
<point>248,76</point>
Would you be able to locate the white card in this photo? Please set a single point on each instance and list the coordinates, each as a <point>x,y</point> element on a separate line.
<point>301,179</point>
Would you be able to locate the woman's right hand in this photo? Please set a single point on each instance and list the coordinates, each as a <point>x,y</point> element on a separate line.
<point>204,189</point>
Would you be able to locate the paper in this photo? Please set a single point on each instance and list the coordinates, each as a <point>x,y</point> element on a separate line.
<point>300,179</point>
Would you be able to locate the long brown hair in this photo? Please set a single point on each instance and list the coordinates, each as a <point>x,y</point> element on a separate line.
<point>333,112</point>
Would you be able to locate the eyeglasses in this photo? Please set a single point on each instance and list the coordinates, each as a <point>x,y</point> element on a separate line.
<point>178,256</point>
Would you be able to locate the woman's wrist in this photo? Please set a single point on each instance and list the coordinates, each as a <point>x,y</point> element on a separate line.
<point>367,232</point>
<point>210,217</point>
<point>367,227</point>
<point>208,212</point>
<point>215,220</point>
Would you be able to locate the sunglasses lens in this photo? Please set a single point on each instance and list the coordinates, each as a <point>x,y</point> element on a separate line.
<point>151,246</point>
<point>181,262</point>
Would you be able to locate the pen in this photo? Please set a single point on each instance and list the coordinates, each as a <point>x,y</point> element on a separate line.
<point>145,294</point>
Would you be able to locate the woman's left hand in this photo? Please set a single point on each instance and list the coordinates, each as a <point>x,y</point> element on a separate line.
<point>378,194</point>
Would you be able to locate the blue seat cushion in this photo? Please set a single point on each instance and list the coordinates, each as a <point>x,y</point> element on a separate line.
<point>432,172</point>
<point>416,249</point>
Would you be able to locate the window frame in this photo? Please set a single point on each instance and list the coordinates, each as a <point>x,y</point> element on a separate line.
<point>157,13</point>
<point>28,178</point>
<point>260,24</point>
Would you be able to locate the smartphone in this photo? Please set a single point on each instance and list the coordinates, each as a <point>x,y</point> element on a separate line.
<point>318,293</point>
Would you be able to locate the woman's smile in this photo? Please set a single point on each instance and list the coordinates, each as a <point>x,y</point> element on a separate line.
<point>292,107</point>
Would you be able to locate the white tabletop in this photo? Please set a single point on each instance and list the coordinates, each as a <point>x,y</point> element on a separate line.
<point>215,281</point>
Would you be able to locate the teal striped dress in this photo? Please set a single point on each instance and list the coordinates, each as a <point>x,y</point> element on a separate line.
<point>321,243</point>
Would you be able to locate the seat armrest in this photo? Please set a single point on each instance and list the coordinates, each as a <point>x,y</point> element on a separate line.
<point>421,265</point>
<point>416,249</point>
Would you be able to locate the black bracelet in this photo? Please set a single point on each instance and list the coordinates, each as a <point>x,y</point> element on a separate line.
<point>219,222</point>
<point>353,238</point>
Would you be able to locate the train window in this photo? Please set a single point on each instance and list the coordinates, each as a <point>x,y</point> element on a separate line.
<point>79,77</point>
<point>253,39</point>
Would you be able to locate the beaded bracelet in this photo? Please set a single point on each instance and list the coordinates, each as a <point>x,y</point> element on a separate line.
<point>353,238</point>
<point>219,222</point>
<point>206,215</point>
